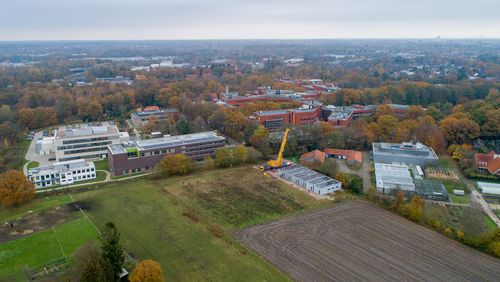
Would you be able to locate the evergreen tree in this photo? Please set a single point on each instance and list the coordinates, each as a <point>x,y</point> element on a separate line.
<point>112,251</point>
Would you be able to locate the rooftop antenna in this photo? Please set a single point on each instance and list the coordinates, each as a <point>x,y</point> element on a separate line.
<point>227,88</point>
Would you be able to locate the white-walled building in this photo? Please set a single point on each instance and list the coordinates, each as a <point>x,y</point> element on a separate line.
<point>87,141</point>
<point>309,179</point>
<point>393,177</point>
<point>45,145</point>
<point>62,173</point>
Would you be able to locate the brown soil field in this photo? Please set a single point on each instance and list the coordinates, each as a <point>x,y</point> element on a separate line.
<point>358,241</point>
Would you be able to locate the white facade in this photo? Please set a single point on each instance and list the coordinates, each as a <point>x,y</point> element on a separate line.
<point>392,176</point>
<point>84,141</point>
<point>489,188</point>
<point>62,173</point>
<point>45,145</point>
<point>309,179</point>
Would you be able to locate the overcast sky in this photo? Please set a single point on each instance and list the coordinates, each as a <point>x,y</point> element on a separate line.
<point>253,19</point>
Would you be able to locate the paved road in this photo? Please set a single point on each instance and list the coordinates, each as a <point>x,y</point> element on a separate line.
<point>107,180</point>
<point>31,154</point>
<point>478,201</point>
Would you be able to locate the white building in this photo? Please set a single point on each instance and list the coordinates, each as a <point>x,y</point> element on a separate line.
<point>86,141</point>
<point>390,176</point>
<point>62,173</point>
<point>489,188</point>
<point>309,179</point>
<point>45,145</point>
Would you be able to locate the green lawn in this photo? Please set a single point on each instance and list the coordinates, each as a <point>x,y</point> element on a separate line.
<point>35,205</point>
<point>185,223</point>
<point>101,165</point>
<point>43,248</point>
<point>33,164</point>
<point>455,185</point>
<point>459,199</point>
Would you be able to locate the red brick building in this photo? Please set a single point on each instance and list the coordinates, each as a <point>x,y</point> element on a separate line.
<point>279,119</point>
<point>488,162</point>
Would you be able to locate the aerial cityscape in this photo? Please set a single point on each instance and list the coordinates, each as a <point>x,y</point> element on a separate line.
<point>230,141</point>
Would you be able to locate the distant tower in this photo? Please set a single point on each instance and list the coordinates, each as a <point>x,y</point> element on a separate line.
<point>227,88</point>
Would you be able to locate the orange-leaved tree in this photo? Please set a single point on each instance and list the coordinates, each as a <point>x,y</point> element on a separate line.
<point>15,189</point>
<point>147,271</point>
<point>176,164</point>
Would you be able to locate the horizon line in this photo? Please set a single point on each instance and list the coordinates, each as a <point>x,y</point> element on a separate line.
<point>255,39</point>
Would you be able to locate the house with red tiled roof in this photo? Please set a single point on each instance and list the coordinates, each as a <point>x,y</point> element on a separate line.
<point>349,155</point>
<point>489,162</point>
<point>313,156</point>
<point>352,157</point>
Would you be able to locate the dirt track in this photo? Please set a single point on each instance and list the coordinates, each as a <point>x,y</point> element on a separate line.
<point>358,241</point>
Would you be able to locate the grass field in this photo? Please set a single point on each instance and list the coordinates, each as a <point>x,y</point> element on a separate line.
<point>37,204</point>
<point>43,248</point>
<point>101,165</point>
<point>459,199</point>
<point>185,223</point>
<point>468,220</point>
<point>33,164</point>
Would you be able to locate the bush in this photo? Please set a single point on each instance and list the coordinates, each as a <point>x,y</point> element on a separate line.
<point>176,164</point>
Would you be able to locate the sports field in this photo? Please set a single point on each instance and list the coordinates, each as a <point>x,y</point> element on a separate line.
<point>44,248</point>
<point>358,241</point>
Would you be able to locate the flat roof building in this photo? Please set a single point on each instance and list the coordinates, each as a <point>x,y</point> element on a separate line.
<point>143,155</point>
<point>62,173</point>
<point>142,116</point>
<point>391,177</point>
<point>87,141</point>
<point>275,120</point>
<point>489,188</point>
<point>309,179</point>
<point>405,153</point>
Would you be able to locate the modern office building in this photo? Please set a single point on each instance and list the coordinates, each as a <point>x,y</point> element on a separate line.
<point>309,179</point>
<point>276,120</point>
<point>144,155</point>
<point>404,153</point>
<point>62,173</point>
<point>87,141</point>
<point>141,117</point>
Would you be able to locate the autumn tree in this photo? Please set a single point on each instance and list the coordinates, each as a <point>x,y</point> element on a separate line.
<point>15,189</point>
<point>240,154</point>
<point>342,177</point>
<point>147,271</point>
<point>111,249</point>
<point>414,112</point>
<point>173,164</point>
<point>414,210</point>
<point>383,110</point>
<point>223,157</point>
<point>260,140</point>
<point>459,130</point>
<point>208,163</point>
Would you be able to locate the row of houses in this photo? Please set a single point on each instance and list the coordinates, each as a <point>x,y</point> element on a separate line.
<point>309,179</point>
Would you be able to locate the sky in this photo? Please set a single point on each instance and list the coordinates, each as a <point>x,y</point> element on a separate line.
<point>246,19</point>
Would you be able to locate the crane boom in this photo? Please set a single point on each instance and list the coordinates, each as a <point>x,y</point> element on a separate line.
<point>279,161</point>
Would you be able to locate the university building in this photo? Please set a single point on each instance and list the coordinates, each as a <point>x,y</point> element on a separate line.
<point>144,155</point>
<point>86,141</point>
<point>62,173</point>
<point>276,120</point>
